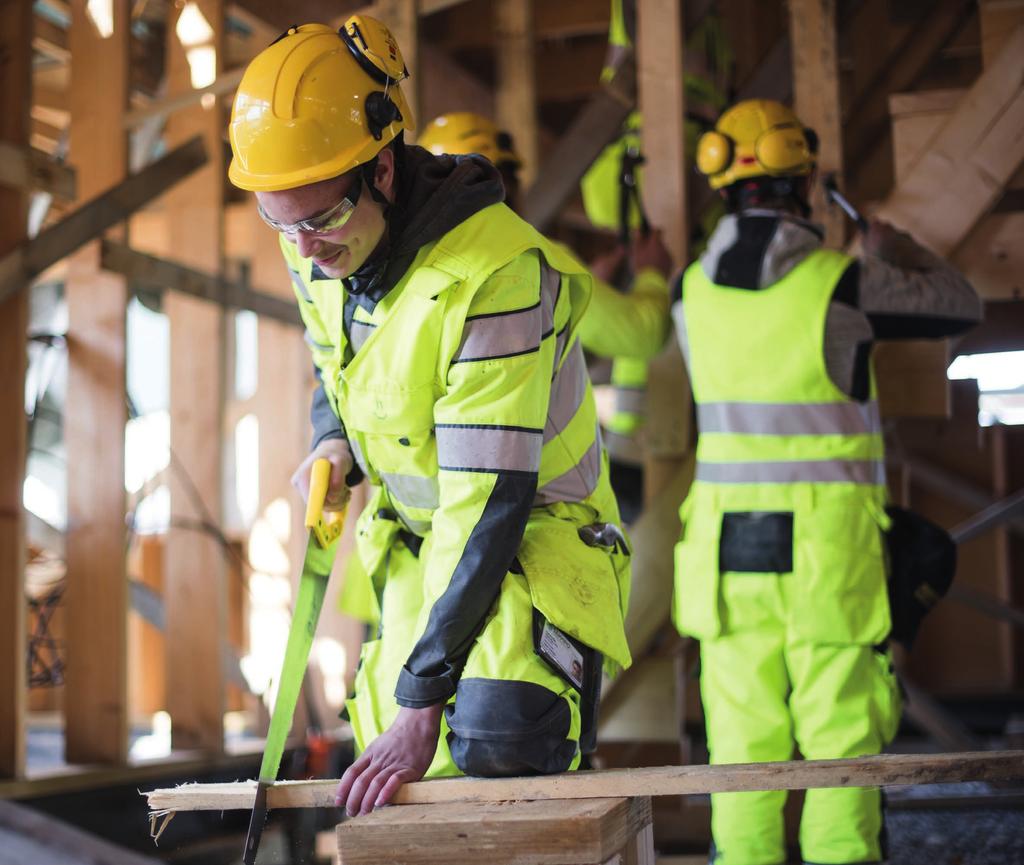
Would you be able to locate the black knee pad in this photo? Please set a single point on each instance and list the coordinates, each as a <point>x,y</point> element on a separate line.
<point>502,728</point>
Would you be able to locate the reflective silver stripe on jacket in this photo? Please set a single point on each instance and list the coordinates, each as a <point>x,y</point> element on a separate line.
<point>577,483</point>
<point>483,448</point>
<point>500,334</point>
<point>359,332</point>
<point>313,344</point>
<point>798,471</point>
<point>679,319</point>
<point>550,288</point>
<point>300,285</point>
<point>630,400</point>
<point>357,452</point>
<point>413,491</point>
<point>789,419</point>
<point>567,392</point>
<point>490,336</point>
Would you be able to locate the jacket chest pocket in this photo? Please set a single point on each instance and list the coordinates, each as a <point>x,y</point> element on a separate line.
<point>394,425</point>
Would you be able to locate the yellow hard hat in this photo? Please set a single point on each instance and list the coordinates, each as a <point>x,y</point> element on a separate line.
<point>460,132</point>
<point>754,138</point>
<point>317,103</point>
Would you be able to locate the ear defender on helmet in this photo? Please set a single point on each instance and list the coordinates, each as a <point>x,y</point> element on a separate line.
<point>784,149</point>
<point>378,54</point>
<point>715,151</point>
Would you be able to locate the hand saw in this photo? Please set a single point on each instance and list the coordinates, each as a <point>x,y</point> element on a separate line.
<point>316,569</point>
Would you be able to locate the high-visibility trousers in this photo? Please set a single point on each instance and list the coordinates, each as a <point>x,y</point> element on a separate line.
<point>766,690</point>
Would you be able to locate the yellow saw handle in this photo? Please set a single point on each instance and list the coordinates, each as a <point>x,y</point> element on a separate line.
<point>327,529</point>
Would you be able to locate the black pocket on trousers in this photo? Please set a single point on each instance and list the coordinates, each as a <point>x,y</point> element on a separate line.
<point>756,542</point>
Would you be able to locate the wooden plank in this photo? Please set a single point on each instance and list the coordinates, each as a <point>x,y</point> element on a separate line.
<point>916,119</point>
<point>48,836</point>
<point>196,572</point>
<point>96,682</point>
<point>812,29</point>
<point>516,96</point>
<point>885,770</point>
<point>34,170</point>
<point>448,86</point>
<point>15,90</point>
<point>598,123</point>
<point>159,274</point>
<point>284,15</point>
<point>972,157</point>
<point>25,262</point>
<point>583,831</point>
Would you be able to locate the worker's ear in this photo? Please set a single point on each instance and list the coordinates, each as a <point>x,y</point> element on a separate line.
<point>384,174</point>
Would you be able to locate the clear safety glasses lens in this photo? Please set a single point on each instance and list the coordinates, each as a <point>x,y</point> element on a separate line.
<point>323,223</point>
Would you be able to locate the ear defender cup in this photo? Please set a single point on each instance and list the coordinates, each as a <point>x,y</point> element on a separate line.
<point>715,151</point>
<point>381,112</point>
<point>784,149</point>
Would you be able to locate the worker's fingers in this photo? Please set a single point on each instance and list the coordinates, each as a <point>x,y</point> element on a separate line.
<point>397,779</point>
<point>354,803</point>
<point>373,790</point>
<point>348,779</point>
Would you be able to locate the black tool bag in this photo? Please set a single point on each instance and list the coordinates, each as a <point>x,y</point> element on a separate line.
<point>922,564</point>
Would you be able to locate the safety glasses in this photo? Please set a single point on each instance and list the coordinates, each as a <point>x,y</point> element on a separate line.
<point>323,223</point>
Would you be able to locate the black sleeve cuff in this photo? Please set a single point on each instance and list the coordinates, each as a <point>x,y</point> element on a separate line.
<point>418,692</point>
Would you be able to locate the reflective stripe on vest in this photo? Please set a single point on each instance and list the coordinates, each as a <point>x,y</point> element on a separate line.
<point>797,471</point>
<point>789,419</point>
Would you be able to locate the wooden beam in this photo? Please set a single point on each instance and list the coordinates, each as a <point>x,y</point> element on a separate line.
<point>226,83</point>
<point>581,830</point>
<point>15,90</point>
<point>30,169</point>
<point>812,29</point>
<point>96,614</point>
<point>50,40</point>
<point>448,86</point>
<point>598,123</point>
<point>964,169</point>
<point>25,262</point>
<point>196,571</point>
<point>885,770</point>
<point>517,85</point>
<point>159,274</point>
<point>283,15</point>
<point>868,123</point>
<point>662,104</point>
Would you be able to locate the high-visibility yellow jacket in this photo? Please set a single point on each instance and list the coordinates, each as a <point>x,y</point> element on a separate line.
<point>465,398</point>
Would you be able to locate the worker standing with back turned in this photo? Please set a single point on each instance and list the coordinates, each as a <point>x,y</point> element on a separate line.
<point>780,572</point>
<point>443,329</point>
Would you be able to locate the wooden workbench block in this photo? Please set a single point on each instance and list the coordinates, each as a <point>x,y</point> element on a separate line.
<point>561,832</point>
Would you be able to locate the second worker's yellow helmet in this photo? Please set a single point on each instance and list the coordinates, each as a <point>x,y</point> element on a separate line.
<point>316,103</point>
<point>756,138</point>
<point>461,132</point>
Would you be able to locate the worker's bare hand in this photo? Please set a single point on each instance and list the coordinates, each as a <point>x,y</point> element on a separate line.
<point>650,251</point>
<point>888,243</point>
<point>401,754</point>
<point>607,264</point>
<point>337,452</point>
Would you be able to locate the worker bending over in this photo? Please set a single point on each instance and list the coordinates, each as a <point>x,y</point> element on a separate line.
<point>444,331</point>
<point>780,571</point>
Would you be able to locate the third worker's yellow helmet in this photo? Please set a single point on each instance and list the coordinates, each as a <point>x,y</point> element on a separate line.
<point>756,138</point>
<point>461,132</point>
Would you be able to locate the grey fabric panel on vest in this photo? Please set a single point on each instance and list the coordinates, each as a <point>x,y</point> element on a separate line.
<point>630,400</point>
<point>359,332</point>
<point>577,483</point>
<point>476,447</point>
<point>809,471</point>
<point>789,419</point>
<point>298,282</point>
<point>567,392</point>
<point>413,491</point>
<point>313,344</point>
<point>501,335</point>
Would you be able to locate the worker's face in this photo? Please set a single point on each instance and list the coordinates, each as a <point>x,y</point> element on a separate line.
<point>337,251</point>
